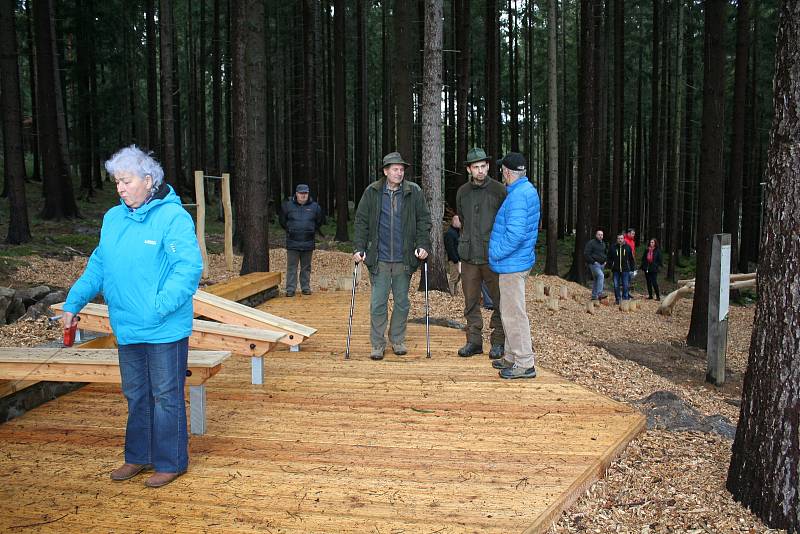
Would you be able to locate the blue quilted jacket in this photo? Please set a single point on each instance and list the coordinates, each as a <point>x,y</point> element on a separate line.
<point>516,227</point>
<point>147,266</point>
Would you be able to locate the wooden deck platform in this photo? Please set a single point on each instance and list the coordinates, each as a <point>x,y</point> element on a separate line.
<point>408,444</point>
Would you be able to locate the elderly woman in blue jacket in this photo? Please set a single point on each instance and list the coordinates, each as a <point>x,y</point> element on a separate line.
<point>147,265</point>
<point>512,255</point>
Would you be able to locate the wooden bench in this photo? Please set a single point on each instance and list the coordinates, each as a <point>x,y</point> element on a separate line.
<point>102,365</point>
<point>242,287</point>
<point>227,311</point>
<point>206,335</point>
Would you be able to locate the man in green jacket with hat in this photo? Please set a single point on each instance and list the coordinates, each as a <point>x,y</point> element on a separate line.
<point>392,235</point>
<point>477,202</point>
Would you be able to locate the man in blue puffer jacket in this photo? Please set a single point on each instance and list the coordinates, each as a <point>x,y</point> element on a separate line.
<point>512,255</point>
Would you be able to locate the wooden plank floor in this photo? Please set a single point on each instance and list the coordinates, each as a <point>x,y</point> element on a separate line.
<point>408,444</point>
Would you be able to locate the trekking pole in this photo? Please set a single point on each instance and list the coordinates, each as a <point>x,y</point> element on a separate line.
<point>427,311</point>
<point>356,272</point>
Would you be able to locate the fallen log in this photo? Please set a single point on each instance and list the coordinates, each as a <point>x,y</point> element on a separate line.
<point>668,303</point>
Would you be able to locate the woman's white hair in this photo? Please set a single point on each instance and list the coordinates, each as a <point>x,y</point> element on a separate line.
<point>134,160</point>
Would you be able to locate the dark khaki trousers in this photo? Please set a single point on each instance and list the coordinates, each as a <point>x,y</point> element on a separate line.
<point>471,277</point>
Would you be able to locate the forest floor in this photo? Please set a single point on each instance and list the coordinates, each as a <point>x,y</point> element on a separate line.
<point>670,479</point>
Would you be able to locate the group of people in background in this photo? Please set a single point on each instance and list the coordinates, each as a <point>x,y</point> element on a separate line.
<point>491,243</point>
<point>619,257</point>
<point>494,250</point>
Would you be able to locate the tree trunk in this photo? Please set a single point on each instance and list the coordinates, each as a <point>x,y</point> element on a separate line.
<point>619,110</point>
<point>653,190</point>
<point>711,155</point>
<point>432,143</point>
<point>216,94</point>
<point>59,198</point>
<point>764,474</point>
<point>152,74</point>
<point>83,66</point>
<point>362,159</point>
<point>674,228</point>
<point>463,25</point>
<point>167,113</point>
<point>202,134</point>
<point>635,210</point>
<point>307,168</point>
<point>37,174</point>
<point>249,86</point>
<point>513,79</point>
<point>229,159</point>
<point>403,62</point>
<point>551,266</point>
<point>340,120</point>
<point>13,155</point>
<point>176,107</point>
<point>751,202</point>
<point>687,217</point>
<point>492,119</point>
<point>587,193</point>
<point>389,144</point>
<point>733,189</point>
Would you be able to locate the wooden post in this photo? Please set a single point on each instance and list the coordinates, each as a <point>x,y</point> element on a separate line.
<point>718,291</point>
<point>200,199</point>
<point>226,207</point>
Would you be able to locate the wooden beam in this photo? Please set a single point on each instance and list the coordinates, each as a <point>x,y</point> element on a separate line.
<point>90,365</point>
<point>200,223</point>
<point>214,307</point>
<point>242,287</point>
<point>228,216</point>
<point>206,335</point>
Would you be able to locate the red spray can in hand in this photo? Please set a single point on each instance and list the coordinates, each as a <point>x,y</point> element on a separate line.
<point>69,334</point>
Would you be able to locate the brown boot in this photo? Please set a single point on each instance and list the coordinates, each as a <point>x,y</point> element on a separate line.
<point>127,471</point>
<point>160,479</point>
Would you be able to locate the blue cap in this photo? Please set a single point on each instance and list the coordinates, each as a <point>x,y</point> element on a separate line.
<point>301,188</point>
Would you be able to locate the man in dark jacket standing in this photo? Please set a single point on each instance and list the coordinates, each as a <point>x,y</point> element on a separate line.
<point>620,258</point>
<point>477,202</point>
<point>595,255</point>
<point>391,236</point>
<point>301,217</point>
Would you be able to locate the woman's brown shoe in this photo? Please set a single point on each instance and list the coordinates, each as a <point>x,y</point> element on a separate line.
<point>161,479</point>
<point>128,471</point>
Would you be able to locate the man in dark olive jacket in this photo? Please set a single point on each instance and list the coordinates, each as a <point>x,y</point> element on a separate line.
<point>301,217</point>
<point>477,202</point>
<point>391,236</point>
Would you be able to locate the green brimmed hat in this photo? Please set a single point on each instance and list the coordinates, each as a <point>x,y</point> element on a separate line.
<point>393,158</point>
<point>475,155</point>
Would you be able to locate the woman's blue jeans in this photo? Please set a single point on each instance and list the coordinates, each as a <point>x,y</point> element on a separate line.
<point>153,378</point>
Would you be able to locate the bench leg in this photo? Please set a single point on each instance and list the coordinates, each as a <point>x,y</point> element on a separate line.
<point>197,409</point>
<point>294,348</point>
<point>257,370</point>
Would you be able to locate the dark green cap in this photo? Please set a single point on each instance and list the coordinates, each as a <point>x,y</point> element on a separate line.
<point>475,155</point>
<point>393,158</point>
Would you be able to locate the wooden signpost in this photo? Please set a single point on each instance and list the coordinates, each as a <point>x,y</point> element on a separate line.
<point>718,292</point>
<point>200,195</point>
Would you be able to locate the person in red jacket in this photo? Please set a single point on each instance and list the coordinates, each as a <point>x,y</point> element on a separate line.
<point>630,239</point>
